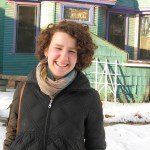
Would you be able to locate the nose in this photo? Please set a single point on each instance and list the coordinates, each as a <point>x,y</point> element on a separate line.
<point>64,55</point>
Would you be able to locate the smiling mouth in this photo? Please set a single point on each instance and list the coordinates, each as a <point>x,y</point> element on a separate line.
<point>61,64</point>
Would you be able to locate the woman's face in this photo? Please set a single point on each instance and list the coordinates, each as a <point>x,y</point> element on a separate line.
<point>61,54</point>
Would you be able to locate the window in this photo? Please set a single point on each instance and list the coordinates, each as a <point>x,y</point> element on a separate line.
<point>26,28</point>
<point>80,14</point>
<point>144,52</point>
<point>117,30</point>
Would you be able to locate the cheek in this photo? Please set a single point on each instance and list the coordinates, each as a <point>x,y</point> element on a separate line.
<point>52,55</point>
<point>74,59</point>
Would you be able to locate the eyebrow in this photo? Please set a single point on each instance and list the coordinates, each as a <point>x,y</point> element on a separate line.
<point>62,46</point>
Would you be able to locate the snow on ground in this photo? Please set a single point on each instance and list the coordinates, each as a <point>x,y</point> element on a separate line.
<point>128,137</point>
<point>126,112</point>
<point>122,130</point>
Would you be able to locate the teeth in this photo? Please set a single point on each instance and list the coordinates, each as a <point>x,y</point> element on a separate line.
<point>61,65</point>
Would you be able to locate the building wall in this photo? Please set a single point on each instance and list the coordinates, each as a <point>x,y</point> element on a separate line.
<point>50,13</point>
<point>21,64</point>
<point>2,15</point>
<point>133,3</point>
<point>14,64</point>
<point>107,50</point>
<point>57,12</point>
<point>101,22</point>
<point>134,10</point>
<point>47,14</point>
<point>133,81</point>
<point>136,85</point>
<point>131,36</point>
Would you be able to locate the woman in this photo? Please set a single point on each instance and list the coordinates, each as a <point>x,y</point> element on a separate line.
<point>59,109</point>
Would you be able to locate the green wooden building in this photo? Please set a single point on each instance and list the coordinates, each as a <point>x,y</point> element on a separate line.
<point>121,29</point>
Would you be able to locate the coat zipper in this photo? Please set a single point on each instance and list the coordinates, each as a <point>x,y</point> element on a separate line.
<point>51,101</point>
<point>47,122</point>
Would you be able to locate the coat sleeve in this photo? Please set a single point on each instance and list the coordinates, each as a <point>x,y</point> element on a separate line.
<point>12,120</point>
<point>94,129</point>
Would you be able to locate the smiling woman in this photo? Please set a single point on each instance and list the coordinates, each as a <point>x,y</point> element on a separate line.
<point>61,54</point>
<point>59,109</point>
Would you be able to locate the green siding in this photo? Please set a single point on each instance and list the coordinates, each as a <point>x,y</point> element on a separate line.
<point>101,22</point>
<point>57,12</point>
<point>133,3</point>
<point>93,28</point>
<point>47,13</point>
<point>135,85</point>
<point>107,50</point>
<point>131,36</point>
<point>134,81</point>
<point>2,15</point>
<point>13,64</point>
<point>128,3</point>
<point>8,36</point>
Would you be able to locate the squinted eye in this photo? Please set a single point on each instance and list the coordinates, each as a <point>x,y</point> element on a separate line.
<point>73,51</point>
<point>58,48</point>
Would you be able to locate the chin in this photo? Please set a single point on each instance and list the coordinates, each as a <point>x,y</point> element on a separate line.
<point>59,76</point>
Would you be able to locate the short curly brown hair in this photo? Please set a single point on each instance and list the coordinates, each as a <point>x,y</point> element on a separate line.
<point>80,32</point>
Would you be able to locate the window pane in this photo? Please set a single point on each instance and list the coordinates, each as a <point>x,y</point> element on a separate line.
<point>145,37</point>
<point>76,13</point>
<point>117,30</point>
<point>26,29</point>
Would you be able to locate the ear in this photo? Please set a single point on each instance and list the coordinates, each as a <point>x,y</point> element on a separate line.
<point>46,52</point>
